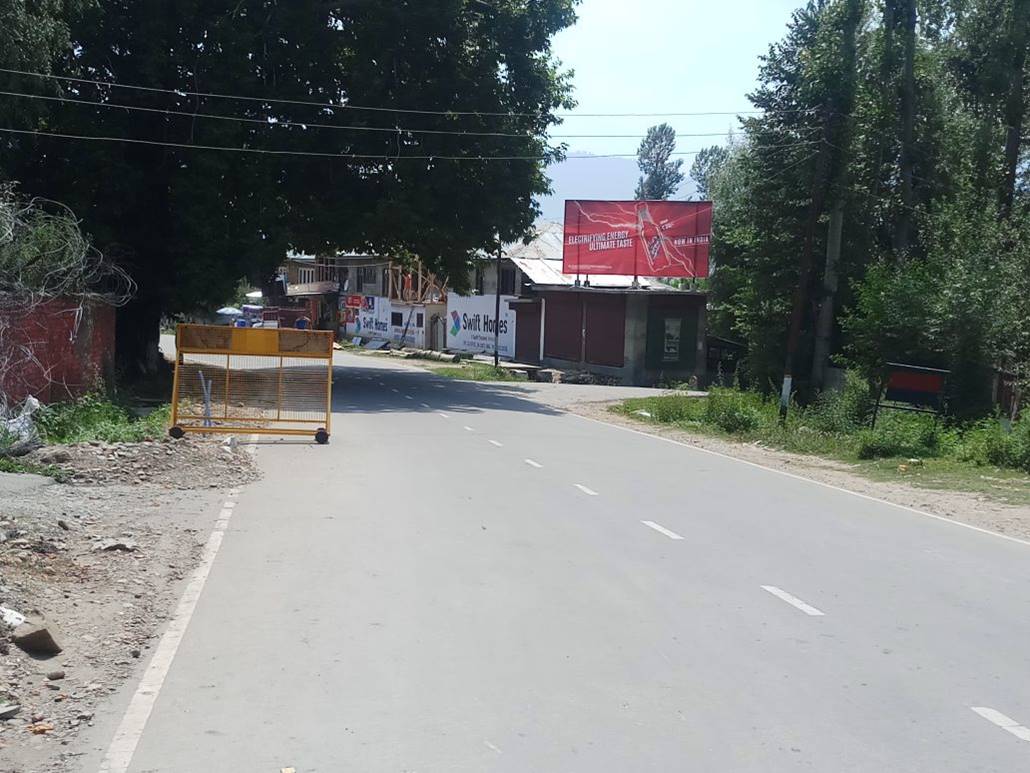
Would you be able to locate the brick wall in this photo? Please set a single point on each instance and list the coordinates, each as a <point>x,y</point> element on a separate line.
<point>72,348</point>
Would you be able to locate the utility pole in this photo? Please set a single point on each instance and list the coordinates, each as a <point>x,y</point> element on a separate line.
<point>497,309</point>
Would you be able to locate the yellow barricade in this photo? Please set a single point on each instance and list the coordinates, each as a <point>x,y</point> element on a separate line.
<point>273,381</point>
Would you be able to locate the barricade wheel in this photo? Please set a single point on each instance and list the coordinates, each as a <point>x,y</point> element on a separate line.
<point>177,432</point>
<point>321,436</point>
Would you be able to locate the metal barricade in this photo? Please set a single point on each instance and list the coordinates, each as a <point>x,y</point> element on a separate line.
<point>252,380</point>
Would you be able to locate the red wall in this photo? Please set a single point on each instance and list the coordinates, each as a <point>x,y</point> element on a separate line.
<point>73,352</point>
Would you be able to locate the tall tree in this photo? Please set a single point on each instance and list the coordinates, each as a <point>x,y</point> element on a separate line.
<point>190,222</point>
<point>707,164</point>
<point>662,176</point>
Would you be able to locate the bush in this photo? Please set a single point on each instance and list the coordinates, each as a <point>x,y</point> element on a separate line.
<point>96,418</point>
<point>734,411</point>
<point>843,411</point>
<point>989,443</point>
<point>902,435</point>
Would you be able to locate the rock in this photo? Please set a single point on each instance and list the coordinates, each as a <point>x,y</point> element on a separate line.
<point>40,728</point>
<point>135,653</point>
<point>35,638</point>
<point>55,456</point>
<point>53,676</point>
<point>8,710</point>
<point>63,524</point>
<point>126,545</point>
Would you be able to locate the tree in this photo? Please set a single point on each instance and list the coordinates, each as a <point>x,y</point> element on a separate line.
<point>707,164</point>
<point>662,177</point>
<point>189,223</point>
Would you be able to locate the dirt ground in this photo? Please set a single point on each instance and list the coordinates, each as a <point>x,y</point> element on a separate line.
<point>973,509</point>
<point>102,558</point>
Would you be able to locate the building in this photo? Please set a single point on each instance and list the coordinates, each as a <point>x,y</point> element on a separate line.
<point>642,332</point>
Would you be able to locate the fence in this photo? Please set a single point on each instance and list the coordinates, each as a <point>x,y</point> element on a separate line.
<point>252,380</point>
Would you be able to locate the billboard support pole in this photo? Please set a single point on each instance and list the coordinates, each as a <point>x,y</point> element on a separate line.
<point>497,309</point>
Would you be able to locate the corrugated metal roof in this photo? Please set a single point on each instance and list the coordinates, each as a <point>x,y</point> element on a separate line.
<point>541,261</point>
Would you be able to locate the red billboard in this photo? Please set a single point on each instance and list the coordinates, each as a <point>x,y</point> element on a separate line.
<point>637,238</point>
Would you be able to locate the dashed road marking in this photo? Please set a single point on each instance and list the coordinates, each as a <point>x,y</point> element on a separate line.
<point>444,415</point>
<point>588,491</point>
<point>497,443</point>
<point>408,397</point>
<point>532,463</point>
<point>794,601</point>
<point>662,530</point>
<point>392,389</point>
<point>1008,724</point>
<point>424,405</point>
<point>468,428</point>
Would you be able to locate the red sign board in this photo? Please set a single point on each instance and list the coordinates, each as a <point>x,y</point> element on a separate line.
<point>637,238</point>
<point>354,301</point>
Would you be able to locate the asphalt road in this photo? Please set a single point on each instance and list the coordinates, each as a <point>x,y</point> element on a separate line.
<point>467,579</point>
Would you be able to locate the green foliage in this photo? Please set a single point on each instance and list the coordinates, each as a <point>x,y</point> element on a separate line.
<point>23,467</point>
<point>989,443</point>
<point>901,435</point>
<point>734,411</point>
<point>706,166</point>
<point>96,418</point>
<point>662,177</point>
<point>478,371</point>
<point>937,274</point>
<point>837,425</point>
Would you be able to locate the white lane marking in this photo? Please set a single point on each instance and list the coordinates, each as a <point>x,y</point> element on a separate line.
<point>531,463</point>
<point>126,738</point>
<point>794,601</point>
<point>443,414</point>
<point>496,443</point>
<point>408,397</point>
<point>468,428</point>
<point>585,490</point>
<point>382,383</point>
<point>1007,724</point>
<point>394,390</point>
<point>662,529</point>
<point>878,500</point>
<point>424,405</point>
<point>438,386</point>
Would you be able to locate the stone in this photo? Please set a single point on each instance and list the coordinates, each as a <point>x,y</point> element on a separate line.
<point>8,710</point>
<point>53,676</point>
<point>35,638</point>
<point>125,545</point>
<point>135,653</point>
<point>63,524</point>
<point>55,456</point>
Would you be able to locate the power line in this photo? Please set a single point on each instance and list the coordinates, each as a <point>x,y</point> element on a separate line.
<point>409,111</point>
<point>311,125</point>
<point>316,154</point>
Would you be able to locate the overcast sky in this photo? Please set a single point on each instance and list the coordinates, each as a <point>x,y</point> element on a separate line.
<point>648,56</point>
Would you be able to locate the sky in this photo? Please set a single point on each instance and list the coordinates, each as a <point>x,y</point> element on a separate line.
<point>651,56</point>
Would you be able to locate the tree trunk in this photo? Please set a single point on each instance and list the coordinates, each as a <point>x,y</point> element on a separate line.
<point>137,335</point>
<point>1015,103</point>
<point>903,233</point>
<point>824,324</point>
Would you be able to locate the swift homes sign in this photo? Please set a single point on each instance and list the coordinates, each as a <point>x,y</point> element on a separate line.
<point>373,318</point>
<point>637,238</point>
<point>470,324</point>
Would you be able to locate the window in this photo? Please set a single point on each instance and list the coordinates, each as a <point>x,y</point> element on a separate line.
<point>479,280</point>
<point>671,341</point>
<point>396,319</point>
<point>419,319</point>
<point>305,275</point>
<point>507,286</point>
<point>367,280</point>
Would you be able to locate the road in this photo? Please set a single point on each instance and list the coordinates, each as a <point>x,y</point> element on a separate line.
<point>467,579</point>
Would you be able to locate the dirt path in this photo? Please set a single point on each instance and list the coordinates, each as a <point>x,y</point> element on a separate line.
<point>102,558</point>
<point>973,509</point>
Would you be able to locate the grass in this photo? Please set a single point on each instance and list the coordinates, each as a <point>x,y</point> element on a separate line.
<point>982,457</point>
<point>478,371</point>
<point>96,418</point>
<point>15,465</point>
